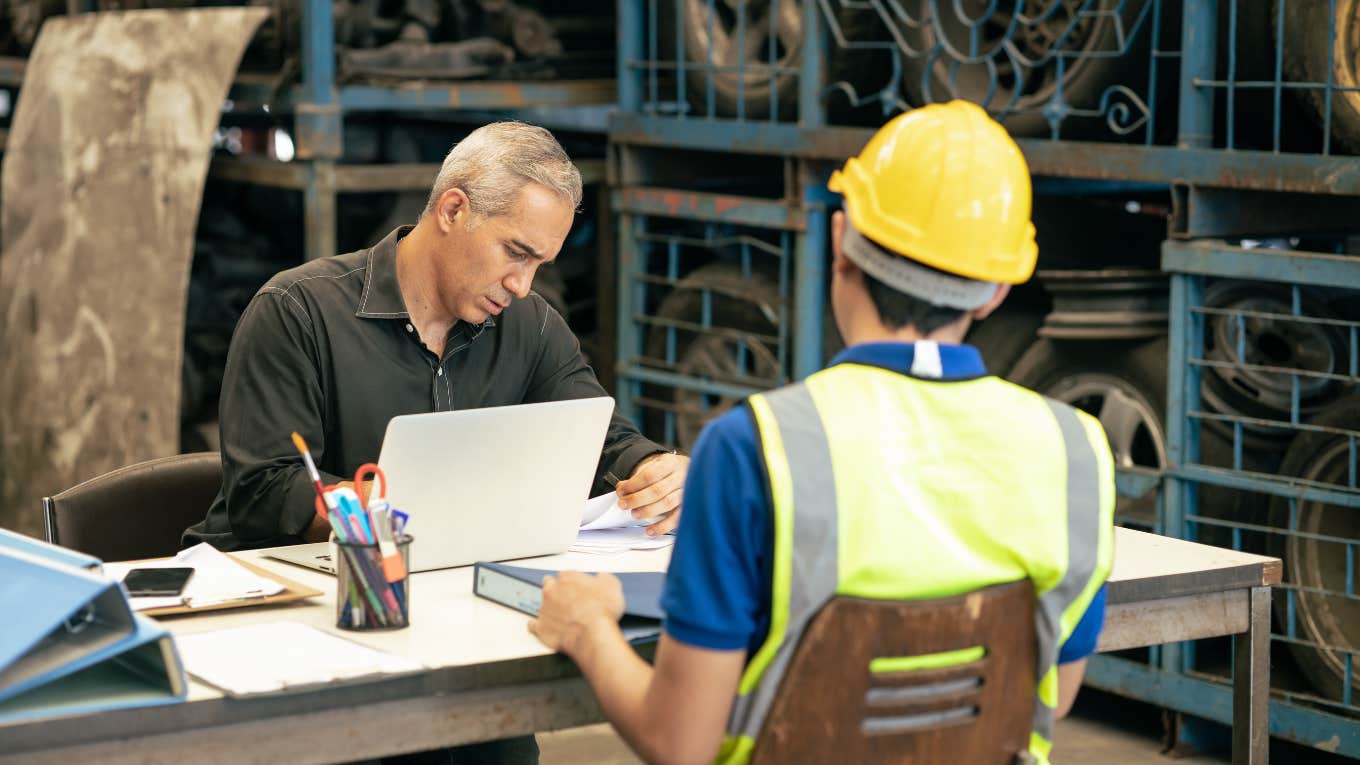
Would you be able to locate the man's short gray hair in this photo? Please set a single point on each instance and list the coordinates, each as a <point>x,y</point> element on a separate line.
<point>494,162</point>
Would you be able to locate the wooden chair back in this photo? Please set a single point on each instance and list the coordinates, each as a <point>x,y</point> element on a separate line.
<point>845,699</point>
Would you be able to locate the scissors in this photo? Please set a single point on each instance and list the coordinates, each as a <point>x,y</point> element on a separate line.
<point>367,471</point>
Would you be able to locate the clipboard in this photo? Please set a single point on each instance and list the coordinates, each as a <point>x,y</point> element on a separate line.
<point>292,592</point>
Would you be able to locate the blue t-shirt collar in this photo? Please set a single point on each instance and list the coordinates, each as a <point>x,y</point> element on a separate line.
<point>956,362</point>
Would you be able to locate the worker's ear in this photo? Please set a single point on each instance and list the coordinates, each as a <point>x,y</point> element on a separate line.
<point>1002,290</point>
<point>453,208</point>
<point>840,264</point>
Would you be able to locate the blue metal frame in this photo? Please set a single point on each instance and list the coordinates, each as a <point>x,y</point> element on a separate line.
<point>655,261</point>
<point>1284,266</point>
<point>1176,682</point>
<point>1211,700</point>
<point>1164,165</point>
<point>1196,129</point>
<point>319,106</point>
<point>651,113</point>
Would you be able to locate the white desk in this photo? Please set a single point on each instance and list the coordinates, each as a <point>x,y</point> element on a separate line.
<point>489,678</point>
<point>1164,590</point>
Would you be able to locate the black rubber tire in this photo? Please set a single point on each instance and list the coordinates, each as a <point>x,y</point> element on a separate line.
<point>1310,563</point>
<point>1062,368</point>
<point>1003,337</point>
<point>1068,370</point>
<point>737,303</point>
<point>754,97</point>
<point>1085,79</point>
<point>1307,46</point>
<point>1319,348</point>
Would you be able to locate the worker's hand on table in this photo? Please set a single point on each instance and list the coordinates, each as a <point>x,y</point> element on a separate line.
<point>655,489</point>
<point>574,604</point>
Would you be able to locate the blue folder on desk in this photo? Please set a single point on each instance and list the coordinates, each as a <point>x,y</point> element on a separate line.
<point>72,644</point>
<point>520,588</point>
<point>10,540</point>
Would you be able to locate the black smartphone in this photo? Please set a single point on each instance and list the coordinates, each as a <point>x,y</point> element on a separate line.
<point>160,582</point>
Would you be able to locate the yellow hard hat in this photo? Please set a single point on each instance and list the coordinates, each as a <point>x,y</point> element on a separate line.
<point>946,186</point>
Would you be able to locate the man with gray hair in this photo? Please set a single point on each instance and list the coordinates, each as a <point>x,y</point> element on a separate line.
<point>436,316</point>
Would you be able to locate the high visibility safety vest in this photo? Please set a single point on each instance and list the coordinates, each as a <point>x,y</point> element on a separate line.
<point>891,487</point>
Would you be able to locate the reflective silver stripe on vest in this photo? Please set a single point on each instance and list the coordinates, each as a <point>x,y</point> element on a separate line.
<point>1083,544</point>
<point>816,571</point>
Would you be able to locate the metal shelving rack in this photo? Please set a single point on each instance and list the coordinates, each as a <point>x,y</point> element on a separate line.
<point>319,105</point>
<point>1279,510</point>
<point>1195,118</point>
<point>647,118</point>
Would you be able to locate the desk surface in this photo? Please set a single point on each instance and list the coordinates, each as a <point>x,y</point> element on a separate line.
<point>450,627</point>
<point>471,645</point>
<point>1152,567</point>
<point>468,644</point>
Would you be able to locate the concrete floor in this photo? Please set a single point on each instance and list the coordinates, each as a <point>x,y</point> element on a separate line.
<point>1103,729</point>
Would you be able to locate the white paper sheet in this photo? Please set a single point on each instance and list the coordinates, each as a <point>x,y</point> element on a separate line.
<point>603,512</point>
<point>276,656</point>
<point>606,529</point>
<point>217,578</point>
<point>610,541</point>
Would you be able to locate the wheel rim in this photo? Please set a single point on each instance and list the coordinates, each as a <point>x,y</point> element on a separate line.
<point>1318,564</point>
<point>1131,424</point>
<point>715,40</point>
<point>725,359</point>
<point>1015,67</point>
<point>1270,342</point>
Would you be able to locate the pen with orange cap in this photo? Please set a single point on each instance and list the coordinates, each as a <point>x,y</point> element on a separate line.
<point>380,518</point>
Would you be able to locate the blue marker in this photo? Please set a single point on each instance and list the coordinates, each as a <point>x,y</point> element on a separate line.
<point>349,505</point>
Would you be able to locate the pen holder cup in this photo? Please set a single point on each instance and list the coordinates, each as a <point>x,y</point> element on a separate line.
<point>364,598</point>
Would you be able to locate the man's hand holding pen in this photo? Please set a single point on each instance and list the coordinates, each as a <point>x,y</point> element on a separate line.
<point>655,489</point>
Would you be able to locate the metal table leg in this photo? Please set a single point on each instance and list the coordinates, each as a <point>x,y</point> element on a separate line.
<point>1251,684</point>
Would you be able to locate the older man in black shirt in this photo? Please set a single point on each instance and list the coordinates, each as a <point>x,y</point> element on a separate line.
<point>434,317</point>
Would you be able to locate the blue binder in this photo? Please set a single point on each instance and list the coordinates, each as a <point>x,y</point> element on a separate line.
<point>10,540</point>
<point>520,588</point>
<point>72,643</point>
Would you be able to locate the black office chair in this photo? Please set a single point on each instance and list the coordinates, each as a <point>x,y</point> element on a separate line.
<point>138,511</point>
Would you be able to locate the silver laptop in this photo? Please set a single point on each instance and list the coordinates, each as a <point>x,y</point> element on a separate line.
<point>486,484</point>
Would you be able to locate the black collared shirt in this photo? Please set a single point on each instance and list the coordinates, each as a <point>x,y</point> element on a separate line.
<point>327,349</point>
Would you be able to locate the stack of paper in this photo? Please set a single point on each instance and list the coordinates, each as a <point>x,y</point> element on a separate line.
<point>607,529</point>
<point>217,579</point>
<point>278,656</point>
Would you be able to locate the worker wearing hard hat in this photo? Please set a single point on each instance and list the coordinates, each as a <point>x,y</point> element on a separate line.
<point>901,471</point>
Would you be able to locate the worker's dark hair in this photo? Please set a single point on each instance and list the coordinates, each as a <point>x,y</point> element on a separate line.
<point>898,309</point>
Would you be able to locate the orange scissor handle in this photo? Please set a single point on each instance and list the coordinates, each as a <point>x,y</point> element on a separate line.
<point>319,505</point>
<point>370,469</point>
